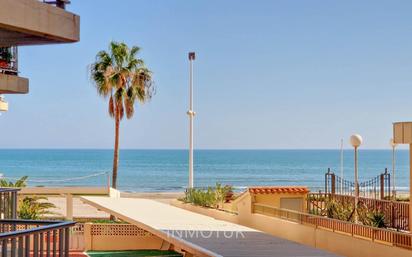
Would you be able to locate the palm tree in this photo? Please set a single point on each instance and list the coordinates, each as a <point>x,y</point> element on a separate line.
<point>123,78</point>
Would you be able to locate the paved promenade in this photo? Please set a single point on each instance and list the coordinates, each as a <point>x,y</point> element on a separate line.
<point>197,233</point>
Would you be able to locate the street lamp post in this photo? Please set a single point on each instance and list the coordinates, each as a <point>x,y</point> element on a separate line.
<point>356,141</point>
<point>191,115</point>
<point>393,145</point>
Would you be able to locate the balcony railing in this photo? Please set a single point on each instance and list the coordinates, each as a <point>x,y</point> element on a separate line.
<point>9,60</point>
<point>26,238</point>
<point>58,3</point>
<point>8,203</point>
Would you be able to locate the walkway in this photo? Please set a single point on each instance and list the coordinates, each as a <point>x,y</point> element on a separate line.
<point>199,234</point>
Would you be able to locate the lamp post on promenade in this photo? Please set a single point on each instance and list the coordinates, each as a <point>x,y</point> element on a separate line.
<point>393,145</point>
<point>356,141</point>
<point>191,114</point>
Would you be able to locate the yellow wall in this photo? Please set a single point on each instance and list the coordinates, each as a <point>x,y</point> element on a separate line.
<point>274,199</point>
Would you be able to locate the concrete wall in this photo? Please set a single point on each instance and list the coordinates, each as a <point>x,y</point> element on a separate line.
<point>101,237</point>
<point>10,84</point>
<point>217,214</point>
<point>323,239</point>
<point>338,243</point>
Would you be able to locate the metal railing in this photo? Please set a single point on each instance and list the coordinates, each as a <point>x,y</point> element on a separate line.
<point>26,238</point>
<point>396,213</point>
<point>378,187</point>
<point>9,60</point>
<point>385,236</point>
<point>58,3</point>
<point>8,203</point>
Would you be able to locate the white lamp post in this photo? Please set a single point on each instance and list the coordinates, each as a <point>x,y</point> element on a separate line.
<point>393,145</point>
<point>356,141</point>
<point>191,114</point>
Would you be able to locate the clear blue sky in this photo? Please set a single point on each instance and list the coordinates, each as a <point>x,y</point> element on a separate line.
<point>268,74</point>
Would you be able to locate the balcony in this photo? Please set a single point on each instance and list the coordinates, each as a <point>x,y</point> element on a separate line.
<point>10,82</point>
<point>27,238</point>
<point>8,60</point>
<point>33,22</point>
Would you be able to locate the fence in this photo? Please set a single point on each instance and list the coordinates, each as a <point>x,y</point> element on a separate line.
<point>8,203</point>
<point>26,238</point>
<point>396,213</point>
<point>378,235</point>
<point>378,187</point>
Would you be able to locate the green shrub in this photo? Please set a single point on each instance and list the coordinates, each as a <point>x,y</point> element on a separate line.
<point>34,208</point>
<point>21,182</point>
<point>376,219</point>
<point>339,210</point>
<point>210,197</point>
<point>200,197</point>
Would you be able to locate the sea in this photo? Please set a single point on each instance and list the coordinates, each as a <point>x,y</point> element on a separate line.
<point>167,170</point>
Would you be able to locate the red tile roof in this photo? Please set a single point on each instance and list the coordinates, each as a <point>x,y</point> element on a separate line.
<point>278,190</point>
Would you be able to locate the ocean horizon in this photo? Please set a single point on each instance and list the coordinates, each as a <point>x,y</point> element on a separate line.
<point>166,170</point>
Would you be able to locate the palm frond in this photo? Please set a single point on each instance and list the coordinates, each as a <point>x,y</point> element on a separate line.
<point>111,106</point>
<point>129,102</point>
<point>121,76</point>
<point>21,182</point>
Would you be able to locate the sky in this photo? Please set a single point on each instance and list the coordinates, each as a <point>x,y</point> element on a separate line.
<point>268,75</point>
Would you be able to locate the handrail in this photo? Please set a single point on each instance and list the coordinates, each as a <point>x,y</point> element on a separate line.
<point>396,238</point>
<point>48,238</point>
<point>9,189</point>
<point>20,233</point>
<point>360,197</point>
<point>321,217</point>
<point>29,222</point>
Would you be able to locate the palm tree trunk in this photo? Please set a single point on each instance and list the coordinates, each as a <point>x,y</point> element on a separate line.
<point>116,150</point>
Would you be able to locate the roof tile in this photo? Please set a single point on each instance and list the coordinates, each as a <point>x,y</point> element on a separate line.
<point>278,189</point>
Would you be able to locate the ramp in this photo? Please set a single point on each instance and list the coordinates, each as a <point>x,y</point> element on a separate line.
<point>198,234</point>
